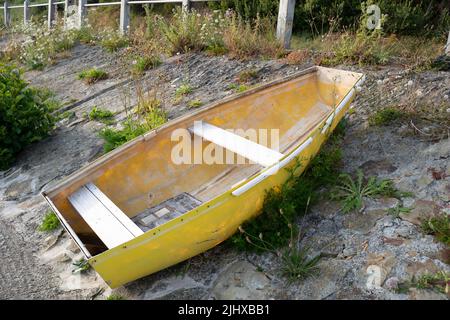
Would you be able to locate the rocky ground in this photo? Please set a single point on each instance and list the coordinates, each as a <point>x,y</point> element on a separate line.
<point>366,254</point>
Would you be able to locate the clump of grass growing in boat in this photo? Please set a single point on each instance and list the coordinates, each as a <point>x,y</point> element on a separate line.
<point>149,116</point>
<point>292,199</point>
<point>93,75</point>
<point>50,222</point>
<point>101,115</point>
<point>438,226</point>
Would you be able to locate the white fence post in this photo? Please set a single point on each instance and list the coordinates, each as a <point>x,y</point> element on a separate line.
<point>6,14</point>
<point>124,16</point>
<point>26,12</point>
<point>447,48</point>
<point>285,22</point>
<point>51,13</point>
<point>82,13</point>
<point>186,5</point>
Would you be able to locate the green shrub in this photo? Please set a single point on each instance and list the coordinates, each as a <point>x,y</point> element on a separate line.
<point>93,75</point>
<point>24,115</point>
<point>50,222</point>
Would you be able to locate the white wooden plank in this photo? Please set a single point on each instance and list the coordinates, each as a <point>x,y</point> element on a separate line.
<point>99,218</point>
<point>122,217</point>
<point>237,144</point>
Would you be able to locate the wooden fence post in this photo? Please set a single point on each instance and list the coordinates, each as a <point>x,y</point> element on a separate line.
<point>186,5</point>
<point>82,13</point>
<point>51,13</point>
<point>26,12</point>
<point>6,14</point>
<point>447,48</point>
<point>124,16</point>
<point>285,22</point>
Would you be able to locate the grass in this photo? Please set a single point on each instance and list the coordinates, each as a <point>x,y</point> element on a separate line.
<point>183,90</point>
<point>438,282</point>
<point>145,63</point>
<point>439,226</point>
<point>247,75</point>
<point>238,88</point>
<point>193,104</point>
<point>114,138</point>
<point>50,222</point>
<point>297,265</point>
<point>351,192</point>
<point>81,265</point>
<point>115,296</point>
<point>149,116</point>
<point>385,116</point>
<point>101,115</point>
<point>113,41</point>
<point>396,211</point>
<point>92,75</point>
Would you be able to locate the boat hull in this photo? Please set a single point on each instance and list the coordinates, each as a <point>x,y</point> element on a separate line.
<point>213,221</point>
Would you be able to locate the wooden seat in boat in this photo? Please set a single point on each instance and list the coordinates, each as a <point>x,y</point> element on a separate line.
<point>110,224</point>
<point>244,147</point>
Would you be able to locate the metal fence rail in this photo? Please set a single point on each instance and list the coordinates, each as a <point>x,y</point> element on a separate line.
<point>284,28</point>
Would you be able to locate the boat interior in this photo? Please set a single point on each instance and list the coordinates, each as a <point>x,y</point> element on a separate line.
<point>140,187</point>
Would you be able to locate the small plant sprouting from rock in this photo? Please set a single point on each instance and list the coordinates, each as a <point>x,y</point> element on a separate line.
<point>93,75</point>
<point>145,63</point>
<point>50,222</point>
<point>396,211</point>
<point>115,296</point>
<point>439,226</point>
<point>101,115</point>
<point>247,75</point>
<point>183,90</point>
<point>81,265</point>
<point>238,88</point>
<point>193,104</point>
<point>352,192</point>
<point>296,264</point>
<point>385,116</point>
<point>438,282</point>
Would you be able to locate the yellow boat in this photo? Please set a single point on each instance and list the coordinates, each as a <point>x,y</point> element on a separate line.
<point>151,204</point>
